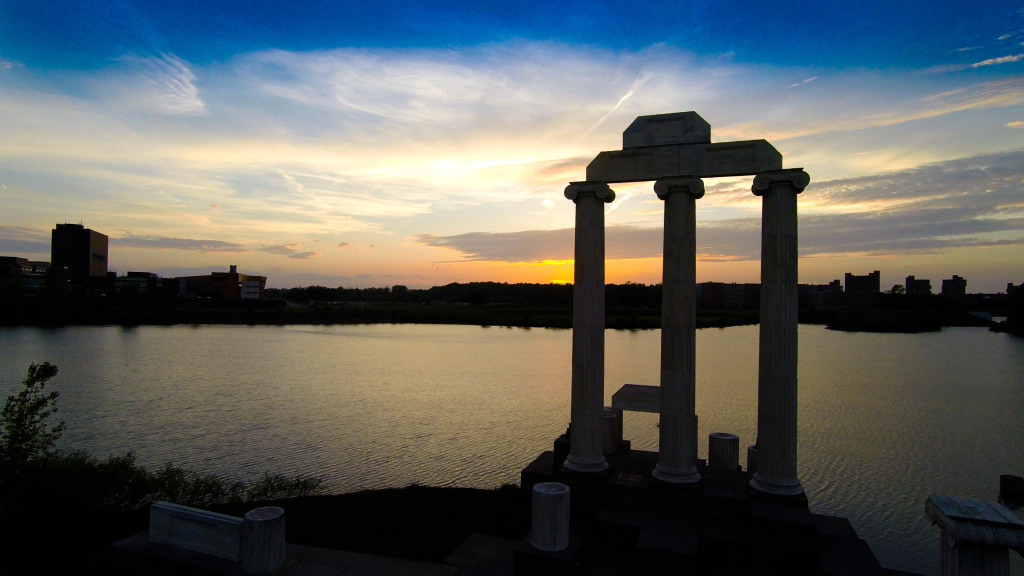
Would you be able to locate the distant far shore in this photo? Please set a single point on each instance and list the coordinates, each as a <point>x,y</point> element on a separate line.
<point>114,312</point>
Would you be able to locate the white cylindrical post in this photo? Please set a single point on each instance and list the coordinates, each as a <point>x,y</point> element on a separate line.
<point>777,352</point>
<point>586,429</point>
<point>263,545</point>
<point>550,517</point>
<point>723,451</point>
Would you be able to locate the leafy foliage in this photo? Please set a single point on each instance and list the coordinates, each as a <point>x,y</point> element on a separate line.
<point>25,432</point>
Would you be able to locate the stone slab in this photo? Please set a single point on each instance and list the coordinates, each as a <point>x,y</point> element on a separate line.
<point>197,530</point>
<point>743,158</point>
<point>638,398</point>
<point>665,129</point>
<point>972,510</point>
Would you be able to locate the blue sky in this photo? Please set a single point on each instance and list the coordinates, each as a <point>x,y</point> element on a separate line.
<point>382,143</point>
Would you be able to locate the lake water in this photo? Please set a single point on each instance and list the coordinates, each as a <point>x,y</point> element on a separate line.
<point>885,419</point>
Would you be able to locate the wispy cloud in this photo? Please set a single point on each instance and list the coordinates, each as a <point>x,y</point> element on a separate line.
<point>19,240</point>
<point>161,84</point>
<point>164,243</point>
<point>1000,60</point>
<point>291,251</point>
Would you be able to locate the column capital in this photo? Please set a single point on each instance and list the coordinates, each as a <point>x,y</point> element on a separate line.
<point>693,185</point>
<point>598,189</point>
<point>795,177</point>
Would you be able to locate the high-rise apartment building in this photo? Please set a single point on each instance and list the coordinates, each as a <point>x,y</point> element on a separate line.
<point>82,252</point>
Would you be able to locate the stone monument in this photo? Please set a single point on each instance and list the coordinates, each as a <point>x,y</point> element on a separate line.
<point>676,153</point>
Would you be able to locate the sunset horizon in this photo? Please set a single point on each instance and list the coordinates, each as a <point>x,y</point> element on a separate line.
<point>339,144</point>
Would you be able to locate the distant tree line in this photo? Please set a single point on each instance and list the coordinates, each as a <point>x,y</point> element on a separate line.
<point>475,293</point>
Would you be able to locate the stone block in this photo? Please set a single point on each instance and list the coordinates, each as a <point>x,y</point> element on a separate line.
<point>638,398</point>
<point>620,524</point>
<point>663,129</point>
<point>196,530</point>
<point>666,552</point>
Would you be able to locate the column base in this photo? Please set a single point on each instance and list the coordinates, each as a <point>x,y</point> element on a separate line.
<point>590,467</point>
<point>793,488</point>
<point>690,476</point>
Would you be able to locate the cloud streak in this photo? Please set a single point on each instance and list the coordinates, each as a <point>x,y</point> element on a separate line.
<point>163,243</point>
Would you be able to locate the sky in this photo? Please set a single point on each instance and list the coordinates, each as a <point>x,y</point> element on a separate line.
<point>370,144</point>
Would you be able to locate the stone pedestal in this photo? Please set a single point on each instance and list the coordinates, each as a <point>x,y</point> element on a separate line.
<point>586,453</point>
<point>723,451</point>
<point>263,540</point>
<point>976,535</point>
<point>777,361</point>
<point>550,517</point>
<point>677,443</point>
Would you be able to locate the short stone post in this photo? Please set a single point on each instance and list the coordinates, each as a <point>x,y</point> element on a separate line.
<point>976,536</point>
<point>1011,490</point>
<point>550,517</point>
<point>263,545</point>
<point>723,451</point>
<point>612,429</point>
<point>751,461</point>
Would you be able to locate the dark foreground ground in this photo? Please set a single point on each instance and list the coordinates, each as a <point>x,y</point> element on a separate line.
<point>416,523</point>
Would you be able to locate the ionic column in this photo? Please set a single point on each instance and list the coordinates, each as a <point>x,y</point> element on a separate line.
<point>777,355</point>
<point>677,430</point>
<point>586,430</point>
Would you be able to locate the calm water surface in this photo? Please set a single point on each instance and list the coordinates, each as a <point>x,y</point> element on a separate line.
<point>885,419</point>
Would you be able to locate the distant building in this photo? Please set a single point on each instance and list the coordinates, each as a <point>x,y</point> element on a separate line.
<point>722,296</point>
<point>918,287</point>
<point>22,272</point>
<point>139,282</point>
<point>869,283</point>
<point>13,266</point>
<point>954,288</point>
<point>816,296</point>
<point>223,285</point>
<point>82,252</point>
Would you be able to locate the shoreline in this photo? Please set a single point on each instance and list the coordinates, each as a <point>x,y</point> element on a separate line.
<point>279,313</point>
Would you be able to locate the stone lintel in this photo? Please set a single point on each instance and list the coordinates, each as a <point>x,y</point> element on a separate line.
<point>742,158</point>
<point>666,129</point>
<point>638,398</point>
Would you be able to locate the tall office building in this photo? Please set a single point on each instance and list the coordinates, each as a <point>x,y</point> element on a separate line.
<point>82,252</point>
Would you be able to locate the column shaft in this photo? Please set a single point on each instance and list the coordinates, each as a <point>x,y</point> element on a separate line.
<point>586,449</point>
<point>677,442</point>
<point>777,360</point>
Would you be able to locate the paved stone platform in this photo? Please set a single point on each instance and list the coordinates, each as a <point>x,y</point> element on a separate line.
<point>625,521</point>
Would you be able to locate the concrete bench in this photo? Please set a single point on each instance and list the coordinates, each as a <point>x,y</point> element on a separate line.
<point>255,541</point>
